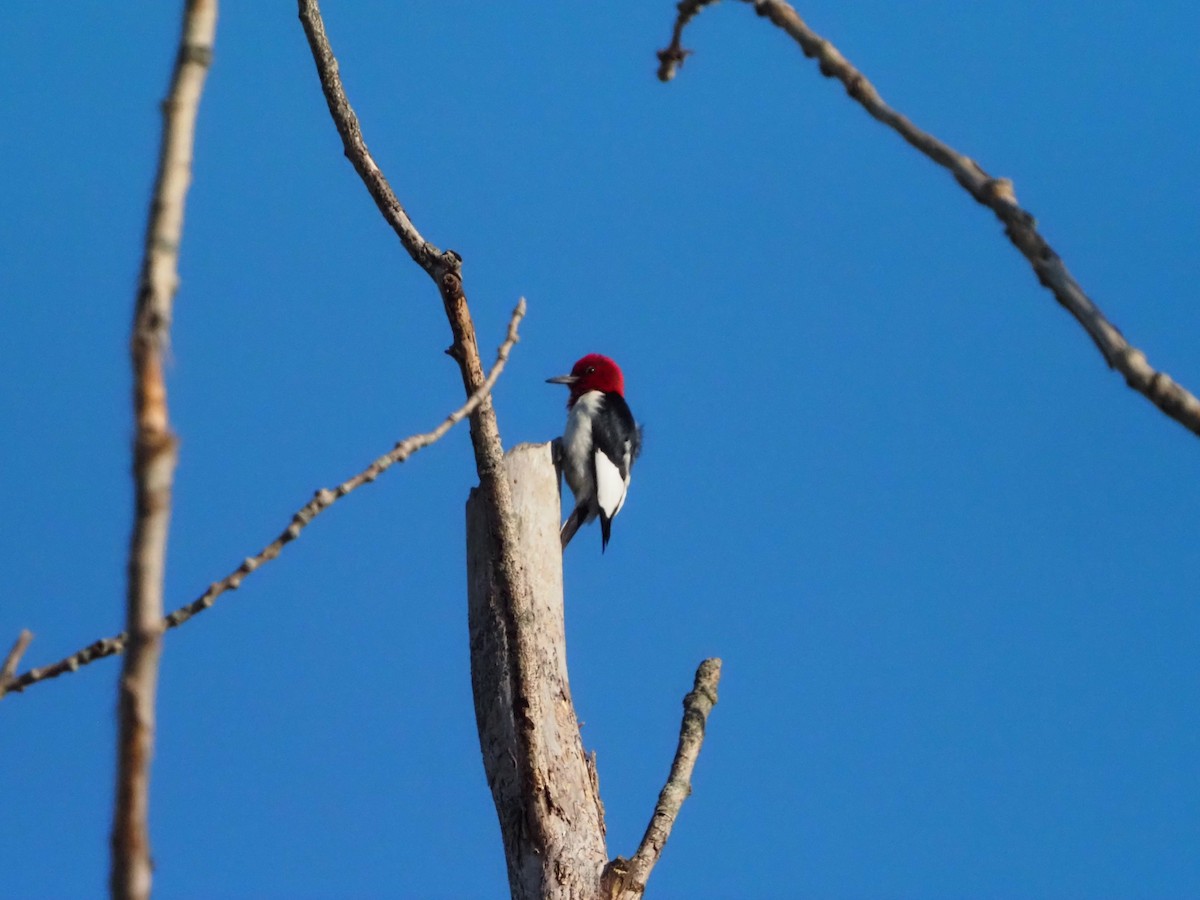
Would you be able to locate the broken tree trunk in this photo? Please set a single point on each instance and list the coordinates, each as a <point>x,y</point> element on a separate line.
<point>543,784</point>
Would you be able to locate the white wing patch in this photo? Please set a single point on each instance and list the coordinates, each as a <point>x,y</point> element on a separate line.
<point>610,486</point>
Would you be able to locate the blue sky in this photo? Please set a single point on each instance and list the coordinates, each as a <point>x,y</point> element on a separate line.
<point>948,558</point>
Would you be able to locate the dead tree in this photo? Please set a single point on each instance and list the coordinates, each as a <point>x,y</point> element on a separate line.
<point>543,784</point>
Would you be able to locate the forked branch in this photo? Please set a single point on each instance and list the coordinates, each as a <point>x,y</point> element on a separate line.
<point>995,193</point>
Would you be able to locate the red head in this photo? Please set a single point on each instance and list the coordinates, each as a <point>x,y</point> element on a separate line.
<point>592,373</point>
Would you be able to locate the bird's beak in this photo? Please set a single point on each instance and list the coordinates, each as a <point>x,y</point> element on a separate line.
<point>562,379</point>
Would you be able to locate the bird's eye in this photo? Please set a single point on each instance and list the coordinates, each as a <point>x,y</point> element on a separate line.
<point>591,370</point>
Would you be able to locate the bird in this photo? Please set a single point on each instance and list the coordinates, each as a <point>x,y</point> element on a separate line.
<point>599,444</point>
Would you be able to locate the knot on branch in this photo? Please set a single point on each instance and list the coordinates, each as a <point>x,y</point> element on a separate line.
<point>153,439</point>
<point>450,280</point>
<point>1000,189</point>
<point>670,60</point>
<point>615,879</point>
<point>856,85</point>
<point>153,322</point>
<point>201,54</point>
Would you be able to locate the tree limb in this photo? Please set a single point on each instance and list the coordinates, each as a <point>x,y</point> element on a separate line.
<point>322,500</point>
<point>995,193</point>
<point>626,878</point>
<point>155,451</point>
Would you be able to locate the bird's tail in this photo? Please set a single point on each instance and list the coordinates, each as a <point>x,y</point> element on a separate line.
<point>574,520</point>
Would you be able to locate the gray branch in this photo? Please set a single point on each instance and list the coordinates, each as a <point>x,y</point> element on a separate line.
<point>995,193</point>
<point>625,879</point>
<point>155,451</point>
<point>321,501</point>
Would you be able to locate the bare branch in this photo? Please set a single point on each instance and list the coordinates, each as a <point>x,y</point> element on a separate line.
<point>322,500</point>
<point>325,498</point>
<point>154,456</point>
<point>14,659</point>
<point>995,193</point>
<point>444,267</point>
<point>513,597</point>
<point>424,254</point>
<point>626,878</point>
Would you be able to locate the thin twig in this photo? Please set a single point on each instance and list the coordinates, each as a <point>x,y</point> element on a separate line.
<point>14,659</point>
<point>321,501</point>
<point>424,254</point>
<point>154,456</point>
<point>995,193</point>
<point>626,878</point>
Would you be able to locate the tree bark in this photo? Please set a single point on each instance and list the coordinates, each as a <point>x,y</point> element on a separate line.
<point>543,784</point>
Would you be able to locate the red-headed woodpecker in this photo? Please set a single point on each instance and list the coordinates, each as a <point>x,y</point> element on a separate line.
<point>599,445</point>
